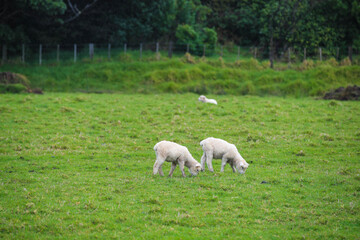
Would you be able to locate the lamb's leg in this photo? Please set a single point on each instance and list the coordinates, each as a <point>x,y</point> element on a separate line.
<point>203,159</point>
<point>158,163</point>
<point>232,166</point>
<point>209,158</point>
<point>181,166</point>
<point>223,163</point>
<point>161,173</point>
<point>173,166</point>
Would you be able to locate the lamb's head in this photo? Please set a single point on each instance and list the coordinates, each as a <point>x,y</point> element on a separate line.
<point>202,98</point>
<point>241,166</point>
<point>195,169</point>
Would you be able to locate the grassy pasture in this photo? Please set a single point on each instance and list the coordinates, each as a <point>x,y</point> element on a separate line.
<point>189,74</point>
<point>80,165</point>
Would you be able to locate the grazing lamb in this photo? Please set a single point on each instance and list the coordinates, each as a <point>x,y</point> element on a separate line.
<point>220,149</point>
<point>204,99</point>
<point>176,154</point>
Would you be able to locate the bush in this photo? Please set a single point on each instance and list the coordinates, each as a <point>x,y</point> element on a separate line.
<point>345,62</point>
<point>12,88</point>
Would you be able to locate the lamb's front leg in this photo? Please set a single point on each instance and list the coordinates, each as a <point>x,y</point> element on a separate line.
<point>223,163</point>
<point>181,166</point>
<point>232,166</point>
<point>173,166</point>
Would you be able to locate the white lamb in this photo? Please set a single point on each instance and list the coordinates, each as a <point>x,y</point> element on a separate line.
<point>204,99</point>
<point>176,154</point>
<point>220,149</point>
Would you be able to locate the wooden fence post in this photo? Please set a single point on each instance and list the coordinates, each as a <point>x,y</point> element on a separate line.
<point>320,52</point>
<point>40,54</point>
<point>238,55</point>
<point>58,53</point>
<point>141,46</point>
<point>157,51</point>
<point>221,50</point>
<point>125,48</point>
<point>4,53</point>
<point>304,54</point>
<point>255,52</point>
<point>75,50</point>
<point>170,49</point>
<point>109,51</point>
<point>337,53</point>
<point>91,51</point>
<point>289,57</point>
<point>204,50</point>
<point>23,54</point>
<point>187,48</point>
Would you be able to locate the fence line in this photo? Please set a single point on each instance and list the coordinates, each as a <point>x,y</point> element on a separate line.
<point>26,53</point>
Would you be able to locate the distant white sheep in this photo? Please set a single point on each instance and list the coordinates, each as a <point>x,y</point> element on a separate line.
<point>220,149</point>
<point>204,99</point>
<point>177,155</point>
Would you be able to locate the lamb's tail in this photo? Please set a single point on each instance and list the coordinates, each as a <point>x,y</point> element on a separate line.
<point>156,146</point>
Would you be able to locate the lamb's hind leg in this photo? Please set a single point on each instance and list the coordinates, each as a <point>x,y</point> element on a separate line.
<point>209,158</point>
<point>203,159</point>
<point>157,166</point>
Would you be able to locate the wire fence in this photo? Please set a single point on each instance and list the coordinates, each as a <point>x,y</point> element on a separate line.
<point>43,54</point>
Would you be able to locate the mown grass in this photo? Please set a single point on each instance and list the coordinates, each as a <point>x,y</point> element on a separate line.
<point>80,166</point>
<point>188,74</point>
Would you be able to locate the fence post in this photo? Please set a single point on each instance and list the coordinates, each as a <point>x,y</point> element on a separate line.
<point>58,53</point>
<point>238,55</point>
<point>125,48</point>
<point>109,51</point>
<point>91,51</point>
<point>304,54</point>
<point>170,49</point>
<point>289,56</point>
<point>320,52</point>
<point>157,51</point>
<point>204,51</point>
<point>141,46</point>
<point>337,53</point>
<point>255,53</point>
<point>221,50</point>
<point>75,50</point>
<point>4,53</point>
<point>40,54</point>
<point>350,52</point>
<point>187,48</point>
<point>23,54</point>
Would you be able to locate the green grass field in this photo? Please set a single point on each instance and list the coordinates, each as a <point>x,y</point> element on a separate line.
<point>79,166</point>
<point>187,74</point>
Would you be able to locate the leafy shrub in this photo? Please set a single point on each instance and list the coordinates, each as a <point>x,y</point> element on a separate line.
<point>332,62</point>
<point>307,64</point>
<point>12,88</point>
<point>345,62</point>
<point>188,58</point>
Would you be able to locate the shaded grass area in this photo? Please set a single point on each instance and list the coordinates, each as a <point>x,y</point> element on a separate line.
<point>189,74</point>
<point>80,166</point>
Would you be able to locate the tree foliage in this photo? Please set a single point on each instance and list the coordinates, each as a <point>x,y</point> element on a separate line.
<point>273,23</point>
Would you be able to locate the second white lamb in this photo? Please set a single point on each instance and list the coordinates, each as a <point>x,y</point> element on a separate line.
<point>227,152</point>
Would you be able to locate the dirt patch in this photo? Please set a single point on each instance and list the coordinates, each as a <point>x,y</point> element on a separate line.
<point>341,93</point>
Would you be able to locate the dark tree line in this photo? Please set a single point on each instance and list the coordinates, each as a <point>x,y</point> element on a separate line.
<point>272,23</point>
